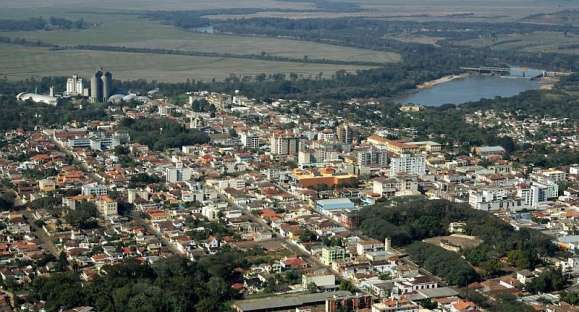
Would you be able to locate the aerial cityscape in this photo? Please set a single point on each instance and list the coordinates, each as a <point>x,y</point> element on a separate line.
<point>289,155</point>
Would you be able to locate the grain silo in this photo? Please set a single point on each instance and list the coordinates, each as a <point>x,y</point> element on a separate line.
<point>96,86</point>
<point>107,83</point>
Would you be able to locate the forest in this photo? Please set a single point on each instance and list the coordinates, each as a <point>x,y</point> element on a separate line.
<point>415,219</point>
<point>28,115</point>
<point>162,133</point>
<point>173,284</point>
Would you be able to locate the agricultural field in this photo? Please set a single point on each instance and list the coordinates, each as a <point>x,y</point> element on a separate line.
<point>142,33</point>
<point>531,42</point>
<point>25,62</point>
<point>122,30</point>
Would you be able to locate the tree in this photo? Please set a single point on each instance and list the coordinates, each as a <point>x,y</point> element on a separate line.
<point>551,280</point>
<point>347,285</point>
<point>312,287</point>
<point>62,262</point>
<point>84,215</point>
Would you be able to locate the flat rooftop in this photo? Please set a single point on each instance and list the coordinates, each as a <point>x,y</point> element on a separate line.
<point>281,302</point>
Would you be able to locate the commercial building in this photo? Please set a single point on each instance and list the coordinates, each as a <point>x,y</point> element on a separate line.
<point>317,177</point>
<point>487,151</point>
<point>334,204</point>
<point>288,302</point>
<point>38,98</point>
<point>321,280</point>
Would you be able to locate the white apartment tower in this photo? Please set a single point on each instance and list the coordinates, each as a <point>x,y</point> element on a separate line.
<point>408,164</point>
<point>74,86</point>
<point>179,174</point>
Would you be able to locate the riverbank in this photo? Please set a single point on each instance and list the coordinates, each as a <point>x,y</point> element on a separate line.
<point>445,79</point>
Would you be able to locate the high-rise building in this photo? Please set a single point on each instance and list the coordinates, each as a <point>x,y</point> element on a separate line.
<point>179,174</point>
<point>250,140</point>
<point>284,144</point>
<point>345,134</point>
<point>74,86</point>
<point>406,163</point>
<point>372,157</point>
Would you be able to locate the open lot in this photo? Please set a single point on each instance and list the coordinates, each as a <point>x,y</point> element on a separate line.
<point>24,62</point>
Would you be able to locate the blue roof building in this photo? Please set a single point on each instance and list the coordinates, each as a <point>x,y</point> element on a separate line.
<point>328,205</point>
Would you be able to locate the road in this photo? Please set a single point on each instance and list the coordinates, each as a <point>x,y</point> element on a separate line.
<point>163,240</point>
<point>46,241</point>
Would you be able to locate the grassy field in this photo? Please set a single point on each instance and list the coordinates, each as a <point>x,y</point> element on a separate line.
<point>18,63</point>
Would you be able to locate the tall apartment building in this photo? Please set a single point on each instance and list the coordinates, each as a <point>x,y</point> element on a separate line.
<point>409,164</point>
<point>372,157</point>
<point>250,140</point>
<point>179,174</point>
<point>535,194</point>
<point>75,86</point>
<point>327,135</point>
<point>345,134</point>
<point>284,144</point>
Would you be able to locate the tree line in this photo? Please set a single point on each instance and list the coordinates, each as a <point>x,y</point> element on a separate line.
<point>40,23</point>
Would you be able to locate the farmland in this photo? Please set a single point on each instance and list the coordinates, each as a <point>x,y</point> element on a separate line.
<point>24,62</point>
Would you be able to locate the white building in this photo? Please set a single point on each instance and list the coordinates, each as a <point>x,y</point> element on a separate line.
<point>178,174</point>
<point>327,135</point>
<point>75,86</point>
<point>323,280</point>
<point>537,193</point>
<point>38,98</point>
<point>493,199</point>
<point>409,164</point>
<point>106,206</point>
<point>94,189</point>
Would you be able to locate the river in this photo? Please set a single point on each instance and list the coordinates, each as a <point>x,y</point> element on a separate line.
<point>474,88</point>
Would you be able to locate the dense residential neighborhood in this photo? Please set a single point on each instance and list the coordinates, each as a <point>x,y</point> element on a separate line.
<point>328,213</point>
